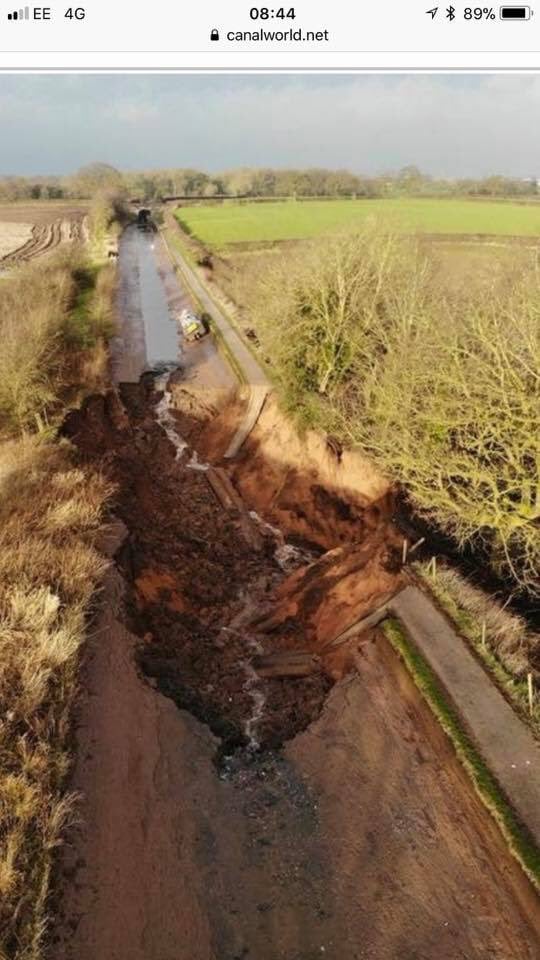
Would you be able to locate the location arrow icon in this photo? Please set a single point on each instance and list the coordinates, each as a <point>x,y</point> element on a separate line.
<point>433,12</point>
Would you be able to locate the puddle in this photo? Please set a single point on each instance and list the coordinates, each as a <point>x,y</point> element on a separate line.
<point>287,556</point>
<point>160,328</point>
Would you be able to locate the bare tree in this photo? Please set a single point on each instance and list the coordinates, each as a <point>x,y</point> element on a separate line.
<point>444,392</point>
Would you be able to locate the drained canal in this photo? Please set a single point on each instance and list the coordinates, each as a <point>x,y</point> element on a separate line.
<point>305,810</point>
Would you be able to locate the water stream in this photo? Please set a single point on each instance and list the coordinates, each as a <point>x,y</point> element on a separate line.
<point>165,417</point>
<point>196,464</point>
<point>153,331</point>
<point>287,555</point>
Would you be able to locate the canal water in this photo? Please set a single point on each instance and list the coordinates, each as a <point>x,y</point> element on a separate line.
<point>148,336</point>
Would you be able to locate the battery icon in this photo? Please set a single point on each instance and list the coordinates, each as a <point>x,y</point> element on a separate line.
<point>515,13</point>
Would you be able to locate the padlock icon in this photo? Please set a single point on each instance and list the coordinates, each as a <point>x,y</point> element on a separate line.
<point>214,34</point>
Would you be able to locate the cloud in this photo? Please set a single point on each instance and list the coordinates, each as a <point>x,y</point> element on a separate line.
<point>448,125</point>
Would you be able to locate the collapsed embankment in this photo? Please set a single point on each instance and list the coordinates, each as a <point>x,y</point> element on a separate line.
<point>213,586</point>
<point>276,843</point>
<point>232,580</point>
<point>310,488</point>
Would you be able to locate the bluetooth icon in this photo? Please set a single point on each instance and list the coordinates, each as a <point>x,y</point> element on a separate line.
<point>451,13</point>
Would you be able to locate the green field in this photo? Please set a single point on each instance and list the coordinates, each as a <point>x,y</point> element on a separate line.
<point>218,225</point>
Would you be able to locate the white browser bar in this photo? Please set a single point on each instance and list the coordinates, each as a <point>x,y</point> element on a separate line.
<point>242,36</point>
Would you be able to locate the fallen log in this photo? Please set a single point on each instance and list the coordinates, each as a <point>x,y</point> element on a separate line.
<point>223,489</point>
<point>366,623</point>
<point>230,500</point>
<point>287,664</point>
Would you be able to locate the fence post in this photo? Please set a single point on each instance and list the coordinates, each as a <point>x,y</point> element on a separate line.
<point>531,693</point>
<point>417,544</point>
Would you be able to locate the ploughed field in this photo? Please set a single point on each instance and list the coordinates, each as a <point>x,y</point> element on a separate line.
<point>219,225</point>
<point>29,230</point>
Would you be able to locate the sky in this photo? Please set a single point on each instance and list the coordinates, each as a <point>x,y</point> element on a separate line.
<point>448,126</point>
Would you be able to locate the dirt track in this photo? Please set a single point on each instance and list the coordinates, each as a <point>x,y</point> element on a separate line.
<point>353,832</point>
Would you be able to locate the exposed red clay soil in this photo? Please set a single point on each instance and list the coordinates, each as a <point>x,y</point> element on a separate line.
<point>198,586</point>
<point>361,840</point>
<point>318,603</point>
<point>309,489</point>
<point>347,828</point>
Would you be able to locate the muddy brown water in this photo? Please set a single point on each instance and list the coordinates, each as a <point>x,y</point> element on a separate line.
<point>227,817</point>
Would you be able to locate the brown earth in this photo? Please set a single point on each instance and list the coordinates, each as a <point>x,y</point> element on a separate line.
<point>270,817</point>
<point>360,841</point>
<point>13,236</point>
<point>361,838</point>
<point>48,226</point>
<point>312,490</point>
<point>199,586</point>
<point>194,578</point>
<point>42,212</point>
<point>352,832</point>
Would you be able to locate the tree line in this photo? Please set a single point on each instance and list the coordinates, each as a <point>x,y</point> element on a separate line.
<point>151,185</point>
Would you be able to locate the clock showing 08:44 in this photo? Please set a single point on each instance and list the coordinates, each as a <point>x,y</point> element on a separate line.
<point>265,13</point>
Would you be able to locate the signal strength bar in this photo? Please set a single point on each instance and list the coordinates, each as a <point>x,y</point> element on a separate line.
<point>23,14</point>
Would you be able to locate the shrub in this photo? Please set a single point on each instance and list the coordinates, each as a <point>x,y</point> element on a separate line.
<point>443,391</point>
<point>451,410</point>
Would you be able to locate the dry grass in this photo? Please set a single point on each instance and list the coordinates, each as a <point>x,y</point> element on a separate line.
<point>54,321</point>
<point>508,647</point>
<point>50,511</point>
<point>33,308</point>
<point>506,633</point>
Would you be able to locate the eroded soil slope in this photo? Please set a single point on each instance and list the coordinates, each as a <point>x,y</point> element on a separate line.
<point>194,579</point>
<point>271,817</point>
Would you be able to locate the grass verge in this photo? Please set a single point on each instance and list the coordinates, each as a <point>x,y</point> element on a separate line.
<point>50,512</point>
<point>519,841</point>
<point>55,317</point>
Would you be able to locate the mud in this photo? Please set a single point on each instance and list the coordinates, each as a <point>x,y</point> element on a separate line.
<point>45,230</point>
<point>231,814</point>
<point>195,584</point>
<point>360,840</point>
<point>309,488</point>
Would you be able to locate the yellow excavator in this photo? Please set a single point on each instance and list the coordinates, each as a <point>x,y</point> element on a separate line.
<point>192,326</point>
